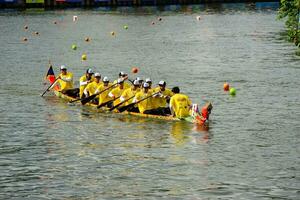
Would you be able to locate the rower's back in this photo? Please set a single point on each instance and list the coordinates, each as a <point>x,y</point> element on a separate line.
<point>180,105</point>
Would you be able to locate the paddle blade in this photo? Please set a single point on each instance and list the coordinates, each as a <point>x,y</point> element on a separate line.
<point>88,99</point>
<point>74,100</point>
<point>115,106</point>
<point>104,104</point>
<point>122,109</point>
<point>112,108</point>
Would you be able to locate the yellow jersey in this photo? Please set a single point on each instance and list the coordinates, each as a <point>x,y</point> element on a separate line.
<point>83,83</point>
<point>180,104</point>
<point>116,92</point>
<point>92,87</point>
<point>128,93</point>
<point>66,81</point>
<point>103,97</point>
<point>146,104</point>
<point>126,84</point>
<point>161,102</point>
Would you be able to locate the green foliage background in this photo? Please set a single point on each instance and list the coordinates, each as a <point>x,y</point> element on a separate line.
<point>290,10</point>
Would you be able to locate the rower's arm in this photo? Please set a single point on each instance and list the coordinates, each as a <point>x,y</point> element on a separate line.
<point>68,78</point>
<point>82,83</point>
<point>111,95</point>
<point>171,106</point>
<point>172,111</point>
<point>85,91</point>
<point>122,98</point>
<point>134,100</point>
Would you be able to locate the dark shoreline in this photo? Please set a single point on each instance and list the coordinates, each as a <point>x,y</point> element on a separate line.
<point>54,4</point>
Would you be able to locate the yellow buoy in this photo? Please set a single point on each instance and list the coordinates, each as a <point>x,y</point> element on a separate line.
<point>83,57</point>
<point>74,47</point>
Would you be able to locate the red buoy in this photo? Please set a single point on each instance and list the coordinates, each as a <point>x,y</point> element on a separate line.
<point>226,86</point>
<point>134,70</point>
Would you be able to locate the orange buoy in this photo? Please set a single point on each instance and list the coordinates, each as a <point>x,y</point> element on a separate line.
<point>226,86</point>
<point>134,70</point>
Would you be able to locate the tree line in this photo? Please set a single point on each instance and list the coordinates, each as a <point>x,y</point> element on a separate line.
<point>290,11</point>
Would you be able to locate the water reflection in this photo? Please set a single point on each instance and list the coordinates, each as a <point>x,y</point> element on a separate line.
<point>181,133</point>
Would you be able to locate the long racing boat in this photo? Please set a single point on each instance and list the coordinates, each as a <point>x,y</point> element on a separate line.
<point>195,117</point>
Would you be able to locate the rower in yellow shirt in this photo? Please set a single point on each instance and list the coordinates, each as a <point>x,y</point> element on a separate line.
<point>129,93</point>
<point>85,80</point>
<point>179,104</point>
<point>161,100</point>
<point>65,81</point>
<point>146,105</point>
<point>103,96</point>
<point>123,76</point>
<point>117,92</point>
<point>92,87</point>
<point>149,81</point>
<point>140,82</point>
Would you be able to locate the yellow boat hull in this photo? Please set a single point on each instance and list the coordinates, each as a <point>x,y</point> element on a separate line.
<point>169,118</point>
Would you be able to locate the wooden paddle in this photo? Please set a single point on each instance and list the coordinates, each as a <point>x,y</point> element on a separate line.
<point>105,103</point>
<point>75,100</point>
<point>50,86</point>
<point>121,103</point>
<point>122,109</point>
<point>90,98</point>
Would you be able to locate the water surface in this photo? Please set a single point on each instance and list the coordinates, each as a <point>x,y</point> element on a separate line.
<point>51,150</point>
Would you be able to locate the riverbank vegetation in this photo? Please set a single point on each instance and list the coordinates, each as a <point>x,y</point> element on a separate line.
<point>290,11</point>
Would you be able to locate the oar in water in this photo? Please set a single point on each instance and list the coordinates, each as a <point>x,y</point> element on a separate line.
<point>105,103</point>
<point>122,109</point>
<point>50,86</point>
<point>90,98</point>
<point>121,103</point>
<point>75,100</point>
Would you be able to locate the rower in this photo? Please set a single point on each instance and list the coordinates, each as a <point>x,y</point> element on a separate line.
<point>161,100</point>
<point>123,75</point>
<point>149,81</point>
<point>85,80</point>
<point>145,106</point>
<point>103,97</point>
<point>140,81</point>
<point>65,81</point>
<point>179,104</point>
<point>130,92</point>
<point>117,92</point>
<point>92,87</point>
